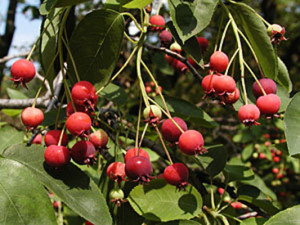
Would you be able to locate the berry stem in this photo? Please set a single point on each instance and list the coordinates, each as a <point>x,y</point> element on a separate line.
<point>143,135</point>
<point>130,39</point>
<point>163,144</point>
<point>230,62</point>
<point>219,31</point>
<point>36,96</point>
<point>61,135</point>
<point>59,109</point>
<point>159,7</point>
<point>133,19</point>
<point>138,125</point>
<point>212,197</point>
<point>224,35</point>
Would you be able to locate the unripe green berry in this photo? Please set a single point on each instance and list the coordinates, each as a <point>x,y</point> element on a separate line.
<point>152,111</point>
<point>116,194</point>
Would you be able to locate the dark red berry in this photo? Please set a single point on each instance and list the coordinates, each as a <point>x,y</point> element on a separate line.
<point>276,159</point>
<point>165,38</point>
<point>57,156</point>
<point>267,84</point>
<point>203,42</point>
<point>84,94</point>
<point>22,72</point>
<point>170,131</point>
<point>176,174</point>
<point>99,139</point>
<point>207,84</point>
<point>38,139</point>
<point>179,66</point>
<point>169,59</point>
<point>218,61</point>
<point>268,104</point>
<point>134,152</point>
<point>249,114</point>
<point>78,123</point>
<point>83,152</point>
<point>138,169</point>
<point>193,63</point>
<point>191,142</point>
<point>158,21</point>
<point>88,223</point>
<point>79,108</point>
<point>116,171</point>
<point>52,138</point>
<point>224,85</point>
<point>32,117</point>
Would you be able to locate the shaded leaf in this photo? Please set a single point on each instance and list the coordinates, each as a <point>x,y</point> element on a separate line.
<point>283,77</point>
<point>70,184</point>
<point>46,6</point>
<point>15,94</point>
<point>114,93</point>
<point>62,3</point>
<point>254,221</point>
<point>9,136</point>
<point>181,222</point>
<point>238,172</point>
<point>170,204</point>
<point>23,200</point>
<point>290,216</point>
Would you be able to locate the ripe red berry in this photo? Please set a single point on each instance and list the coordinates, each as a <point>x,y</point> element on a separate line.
<point>169,59</point>
<point>203,42</point>
<point>221,191</point>
<point>116,171</point>
<point>267,84</point>
<point>84,94</point>
<point>275,170</point>
<point>262,156</point>
<point>22,72</point>
<point>78,123</point>
<point>176,174</point>
<point>249,114</point>
<point>83,152</point>
<point>88,223</point>
<point>134,152</point>
<point>276,159</point>
<point>193,63</point>
<point>268,104</point>
<point>231,98</point>
<point>79,108</point>
<point>179,66</point>
<point>218,61</point>
<point>191,142</point>
<point>57,156</point>
<point>236,205</point>
<point>138,168</point>
<point>207,83</point>
<point>165,38</point>
<point>158,21</point>
<point>224,85</point>
<point>170,131</point>
<point>99,139</point>
<point>32,117</point>
<point>38,139</point>
<point>148,89</point>
<point>52,138</point>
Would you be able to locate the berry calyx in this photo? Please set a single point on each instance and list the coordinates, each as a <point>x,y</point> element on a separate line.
<point>116,196</point>
<point>138,169</point>
<point>231,98</point>
<point>207,84</point>
<point>176,174</point>
<point>268,104</point>
<point>267,84</point>
<point>249,114</point>
<point>22,72</point>
<point>32,117</point>
<point>218,61</point>
<point>57,156</point>
<point>152,114</point>
<point>38,139</point>
<point>99,139</point>
<point>203,42</point>
<point>276,33</point>
<point>224,85</point>
<point>78,124</point>
<point>52,138</point>
<point>191,143</point>
<point>165,38</point>
<point>134,152</point>
<point>83,152</point>
<point>170,131</point>
<point>116,171</point>
<point>158,21</point>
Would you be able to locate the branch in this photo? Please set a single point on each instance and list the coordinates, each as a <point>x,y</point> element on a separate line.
<point>9,57</point>
<point>23,103</point>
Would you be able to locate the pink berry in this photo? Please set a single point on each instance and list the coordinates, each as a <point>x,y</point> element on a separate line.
<point>99,139</point>
<point>249,114</point>
<point>275,170</point>
<point>158,21</point>
<point>57,156</point>
<point>276,159</point>
<point>134,152</point>
<point>268,104</point>
<point>221,191</point>
<point>79,108</point>
<point>170,131</point>
<point>267,84</point>
<point>165,38</point>
<point>83,152</point>
<point>224,85</point>
<point>176,174</point>
<point>116,171</point>
<point>203,42</point>
<point>38,139</point>
<point>52,138</point>
<point>191,142</point>
<point>138,169</point>
<point>78,123</point>
<point>32,117</point>
<point>218,61</point>
<point>22,72</point>
<point>207,84</point>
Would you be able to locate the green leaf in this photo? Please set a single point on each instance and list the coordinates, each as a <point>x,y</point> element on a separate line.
<point>95,45</point>
<point>191,17</point>
<point>187,110</point>
<point>238,172</point>
<point>9,136</point>
<point>160,201</point>
<point>46,6</point>
<point>214,161</point>
<point>70,184</point>
<point>12,112</point>
<point>137,4</point>
<point>48,44</point>
<point>63,3</point>
<point>181,222</point>
<point>290,216</point>
<point>23,200</point>
<point>256,32</point>
<point>292,125</point>
<point>113,93</point>
<point>284,98</point>
<point>247,152</point>
<point>126,215</point>
<point>50,117</point>
<point>254,221</point>
<point>283,77</point>
<point>15,94</point>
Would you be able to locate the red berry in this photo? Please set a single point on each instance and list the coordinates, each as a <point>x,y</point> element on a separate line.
<point>84,94</point>
<point>157,20</point>
<point>224,85</point>
<point>191,142</point>
<point>193,63</point>
<point>203,42</point>
<point>169,130</point>
<point>169,58</point>
<point>83,152</point>
<point>176,174</point>
<point>179,66</point>
<point>99,139</point>
<point>218,61</point>
<point>207,84</point>
<point>278,152</point>
<point>78,123</point>
<point>262,156</point>
<point>22,71</point>
<point>32,117</point>
<point>138,168</point>
<point>134,152</point>
<point>276,33</point>
<point>79,108</point>
<point>221,191</point>
<point>57,156</point>
<point>148,89</point>
<point>249,114</point>
<point>88,223</point>
<point>268,104</point>
<point>165,38</point>
<point>267,84</point>
<point>231,98</point>
<point>276,159</point>
<point>116,171</point>
<point>52,138</point>
<point>275,170</point>
<point>38,139</point>
<point>236,205</point>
